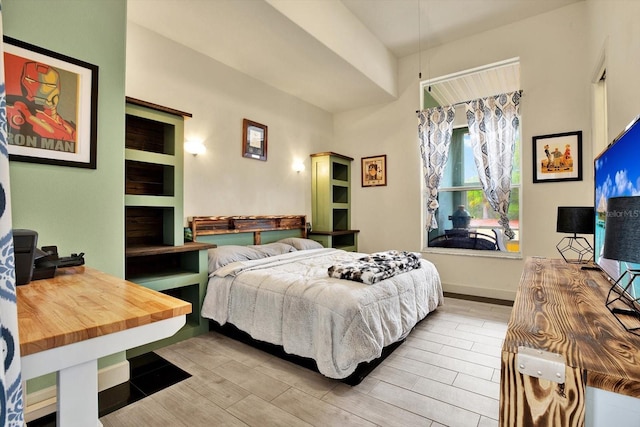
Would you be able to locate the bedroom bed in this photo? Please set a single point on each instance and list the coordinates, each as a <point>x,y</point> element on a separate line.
<point>278,287</point>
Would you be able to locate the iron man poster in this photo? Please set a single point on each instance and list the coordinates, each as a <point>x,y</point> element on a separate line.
<point>50,106</point>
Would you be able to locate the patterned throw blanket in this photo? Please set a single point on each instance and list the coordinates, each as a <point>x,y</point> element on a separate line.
<point>376,267</point>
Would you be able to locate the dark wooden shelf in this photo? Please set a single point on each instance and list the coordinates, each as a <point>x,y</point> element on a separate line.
<point>166,249</point>
<point>157,107</point>
<point>334,233</point>
<point>331,153</point>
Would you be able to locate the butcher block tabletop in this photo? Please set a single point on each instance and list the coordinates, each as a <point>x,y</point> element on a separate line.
<point>80,303</point>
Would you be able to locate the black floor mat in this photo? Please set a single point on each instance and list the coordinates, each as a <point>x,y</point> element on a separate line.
<point>149,373</point>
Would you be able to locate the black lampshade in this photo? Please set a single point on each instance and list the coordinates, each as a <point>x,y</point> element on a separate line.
<point>622,229</point>
<point>575,219</point>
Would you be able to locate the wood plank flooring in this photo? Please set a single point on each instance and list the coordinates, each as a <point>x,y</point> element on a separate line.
<point>447,373</point>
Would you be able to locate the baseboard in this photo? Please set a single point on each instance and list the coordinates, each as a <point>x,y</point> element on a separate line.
<point>113,375</point>
<point>480,299</point>
<point>495,294</point>
<point>40,403</point>
<point>43,402</point>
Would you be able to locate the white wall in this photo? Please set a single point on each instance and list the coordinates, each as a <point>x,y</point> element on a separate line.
<point>559,52</point>
<point>221,181</point>
<point>615,33</point>
<point>555,77</point>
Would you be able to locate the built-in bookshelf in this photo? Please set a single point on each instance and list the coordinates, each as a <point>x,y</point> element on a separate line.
<point>331,201</point>
<point>157,256</point>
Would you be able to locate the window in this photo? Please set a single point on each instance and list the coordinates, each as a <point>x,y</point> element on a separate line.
<point>463,209</point>
<point>460,189</point>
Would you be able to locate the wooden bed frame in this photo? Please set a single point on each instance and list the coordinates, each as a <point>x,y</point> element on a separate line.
<point>362,370</point>
<point>256,230</point>
<point>206,228</point>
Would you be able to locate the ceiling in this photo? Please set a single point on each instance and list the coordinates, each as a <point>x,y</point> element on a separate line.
<point>335,54</point>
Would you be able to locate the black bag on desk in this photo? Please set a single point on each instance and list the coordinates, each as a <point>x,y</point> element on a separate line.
<point>24,243</point>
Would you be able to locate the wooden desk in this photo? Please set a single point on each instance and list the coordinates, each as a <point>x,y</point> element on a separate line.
<point>561,309</point>
<point>68,322</point>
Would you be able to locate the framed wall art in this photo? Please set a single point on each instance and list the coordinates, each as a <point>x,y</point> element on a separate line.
<point>557,157</point>
<point>51,106</point>
<point>254,140</point>
<point>374,171</point>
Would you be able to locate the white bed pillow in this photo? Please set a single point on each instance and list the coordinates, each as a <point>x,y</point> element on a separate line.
<point>223,255</point>
<point>301,244</point>
<point>276,248</point>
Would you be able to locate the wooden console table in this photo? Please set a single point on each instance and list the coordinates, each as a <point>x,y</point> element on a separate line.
<point>560,308</point>
<point>68,322</point>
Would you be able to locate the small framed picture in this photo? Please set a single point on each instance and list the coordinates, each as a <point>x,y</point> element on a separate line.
<point>254,140</point>
<point>557,157</point>
<point>374,171</point>
<point>52,102</point>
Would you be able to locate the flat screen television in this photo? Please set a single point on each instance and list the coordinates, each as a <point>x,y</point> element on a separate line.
<point>616,174</point>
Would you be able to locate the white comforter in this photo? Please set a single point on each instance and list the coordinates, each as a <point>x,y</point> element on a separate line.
<point>290,300</point>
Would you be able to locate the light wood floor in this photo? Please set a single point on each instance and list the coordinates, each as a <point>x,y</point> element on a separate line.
<point>447,373</point>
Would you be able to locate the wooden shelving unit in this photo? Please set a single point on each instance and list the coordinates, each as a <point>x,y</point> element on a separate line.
<point>331,201</point>
<point>156,255</point>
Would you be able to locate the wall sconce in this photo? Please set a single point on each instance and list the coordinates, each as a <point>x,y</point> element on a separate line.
<point>298,166</point>
<point>194,147</point>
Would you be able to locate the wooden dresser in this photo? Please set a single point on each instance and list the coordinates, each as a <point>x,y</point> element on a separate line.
<point>560,308</point>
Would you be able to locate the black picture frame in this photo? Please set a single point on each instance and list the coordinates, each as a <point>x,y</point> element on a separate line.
<point>557,157</point>
<point>52,118</point>
<point>374,171</point>
<point>254,140</point>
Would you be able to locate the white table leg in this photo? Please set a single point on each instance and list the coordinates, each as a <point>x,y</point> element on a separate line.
<point>78,395</point>
<point>77,367</point>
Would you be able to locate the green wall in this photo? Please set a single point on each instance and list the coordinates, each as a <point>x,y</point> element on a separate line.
<point>79,210</point>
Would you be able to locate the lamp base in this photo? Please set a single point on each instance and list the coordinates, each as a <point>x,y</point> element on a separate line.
<point>575,250</point>
<point>623,304</point>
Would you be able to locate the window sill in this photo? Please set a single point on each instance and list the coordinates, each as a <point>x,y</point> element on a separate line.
<point>473,253</point>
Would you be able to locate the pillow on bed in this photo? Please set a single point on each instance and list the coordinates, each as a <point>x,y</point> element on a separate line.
<point>301,244</point>
<point>272,249</point>
<point>223,255</point>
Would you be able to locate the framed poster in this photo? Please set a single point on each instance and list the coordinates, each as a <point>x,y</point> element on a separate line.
<point>557,157</point>
<point>374,171</point>
<point>51,106</point>
<point>254,140</point>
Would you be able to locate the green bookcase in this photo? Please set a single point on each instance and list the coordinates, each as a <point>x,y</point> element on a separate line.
<point>156,254</point>
<point>331,201</point>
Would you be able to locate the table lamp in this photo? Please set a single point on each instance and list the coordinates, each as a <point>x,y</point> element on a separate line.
<point>622,243</point>
<point>576,220</point>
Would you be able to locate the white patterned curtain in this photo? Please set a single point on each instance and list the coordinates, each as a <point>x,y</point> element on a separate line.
<point>11,403</point>
<point>434,132</point>
<point>493,129</point>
